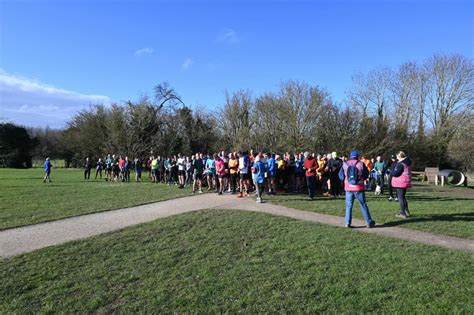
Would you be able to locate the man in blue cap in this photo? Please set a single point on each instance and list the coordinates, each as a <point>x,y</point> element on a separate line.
<point>353,173</point>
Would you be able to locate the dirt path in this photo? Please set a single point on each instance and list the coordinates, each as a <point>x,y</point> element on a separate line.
<point>29,238</point>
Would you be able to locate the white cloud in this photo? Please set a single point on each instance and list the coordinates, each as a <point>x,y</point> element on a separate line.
<point>143,51</point>
<point>30,102</point>
<point>228,36</point>
<point>187,64</point>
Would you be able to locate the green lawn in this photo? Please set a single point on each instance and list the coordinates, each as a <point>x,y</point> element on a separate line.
<point>448,211</point>
<point>25,199</point>
<point>232,261</point>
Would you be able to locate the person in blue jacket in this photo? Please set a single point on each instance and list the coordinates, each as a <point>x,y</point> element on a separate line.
<point>259,170</point>
<point>271,173</point>
<point>299,172</point>
<point>47,170</point>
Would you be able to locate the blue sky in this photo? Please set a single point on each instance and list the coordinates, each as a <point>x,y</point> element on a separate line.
<point>57,57</point>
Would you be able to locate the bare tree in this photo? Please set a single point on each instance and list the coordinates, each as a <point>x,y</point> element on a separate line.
<point>299,113</point>
<point>403,87</point>
<point>450,93</point>
<point>236,120</point>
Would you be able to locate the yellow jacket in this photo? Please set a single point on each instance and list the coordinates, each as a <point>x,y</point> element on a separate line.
<point>321,166</point>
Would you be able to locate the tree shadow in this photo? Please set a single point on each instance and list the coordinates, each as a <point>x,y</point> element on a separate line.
<point>439,198</point>
<point>452,217</point>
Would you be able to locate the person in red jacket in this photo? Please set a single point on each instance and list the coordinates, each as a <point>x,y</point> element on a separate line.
<point>353,173</point>
<point>310,165</point>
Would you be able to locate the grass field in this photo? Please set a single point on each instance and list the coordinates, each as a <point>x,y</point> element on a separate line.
<point>232,261</point>
<point>448,211</point>
<point>25,199</point>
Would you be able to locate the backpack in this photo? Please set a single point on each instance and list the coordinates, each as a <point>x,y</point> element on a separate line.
<point>353,174</point>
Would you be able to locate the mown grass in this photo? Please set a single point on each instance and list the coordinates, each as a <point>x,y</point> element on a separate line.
<point>448,211</point>
<point>231,261</point>
<point>25,199</point>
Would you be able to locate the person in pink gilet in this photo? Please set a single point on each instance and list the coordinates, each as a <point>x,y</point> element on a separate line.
<point>354,173</point>
<point>401,181</point>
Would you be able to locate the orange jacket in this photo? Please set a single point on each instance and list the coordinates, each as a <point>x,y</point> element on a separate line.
<point>367,163</point>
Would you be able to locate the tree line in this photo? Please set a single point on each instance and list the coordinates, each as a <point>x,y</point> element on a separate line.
<point>425,109</point>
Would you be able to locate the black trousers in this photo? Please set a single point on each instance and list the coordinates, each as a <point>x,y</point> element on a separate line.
<point>87,173</point>
<point>335,184</point>
<point>233,182</point>
<point>401,194</point>
<point>390,188</point>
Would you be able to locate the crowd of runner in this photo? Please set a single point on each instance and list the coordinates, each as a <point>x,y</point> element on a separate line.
<point>245,173</point>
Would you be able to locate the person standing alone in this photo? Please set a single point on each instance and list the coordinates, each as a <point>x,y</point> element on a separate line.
<point>87,169</point>
<point>47,170</point>
<point>354,173</point>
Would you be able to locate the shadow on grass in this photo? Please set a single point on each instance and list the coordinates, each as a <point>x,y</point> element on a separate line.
<point>453,217</point>
<point>440,198</point>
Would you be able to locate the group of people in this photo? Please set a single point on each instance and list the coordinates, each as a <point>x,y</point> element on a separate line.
<point>243,173</point>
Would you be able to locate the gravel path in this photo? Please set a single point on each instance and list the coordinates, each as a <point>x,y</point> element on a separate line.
<point>29,238</point>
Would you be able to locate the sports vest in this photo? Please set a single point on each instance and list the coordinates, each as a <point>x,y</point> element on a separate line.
<point>404,180</point>
<point>360,168</point>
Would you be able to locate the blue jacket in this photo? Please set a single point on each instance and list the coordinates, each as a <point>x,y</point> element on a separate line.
<point>259,171</point>
<point>299,164</point>
<point>271,167</point>
<point>47,166</point>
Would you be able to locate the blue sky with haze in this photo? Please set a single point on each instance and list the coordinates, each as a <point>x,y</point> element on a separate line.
<point>57,57</point>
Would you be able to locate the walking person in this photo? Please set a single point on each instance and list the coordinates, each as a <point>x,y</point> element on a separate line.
<point>47,170</point>
<point>354,173</point>
<point>311,165</point>
<point>259,170</point>
<point>87,169</point>
<point>401,180</point>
